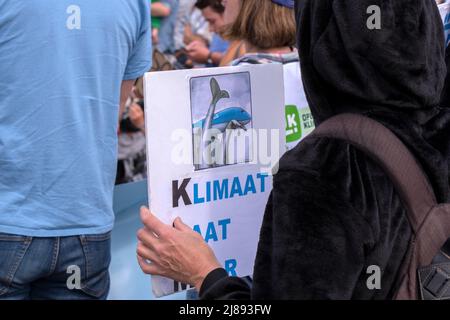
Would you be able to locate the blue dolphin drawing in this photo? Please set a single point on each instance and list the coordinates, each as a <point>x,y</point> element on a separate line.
<point>230,118</point>
<point>222,120</point>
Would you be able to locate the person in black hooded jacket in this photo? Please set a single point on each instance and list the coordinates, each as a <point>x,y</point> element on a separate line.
<point>333,212</point>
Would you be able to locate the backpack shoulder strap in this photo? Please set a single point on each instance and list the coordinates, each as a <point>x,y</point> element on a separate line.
<point>391,154</point>
<point>429,221</point>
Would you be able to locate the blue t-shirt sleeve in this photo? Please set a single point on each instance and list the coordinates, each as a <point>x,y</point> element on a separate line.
<point>140,59</point>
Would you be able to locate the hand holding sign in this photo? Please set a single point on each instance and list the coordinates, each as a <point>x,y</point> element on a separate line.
<point>177,252</point>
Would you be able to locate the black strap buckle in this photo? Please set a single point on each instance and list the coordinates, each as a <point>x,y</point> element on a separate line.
<point>435,282</point>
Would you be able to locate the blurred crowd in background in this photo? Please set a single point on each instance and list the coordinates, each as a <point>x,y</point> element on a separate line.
<point>185,34</point>
<point>190,34</point>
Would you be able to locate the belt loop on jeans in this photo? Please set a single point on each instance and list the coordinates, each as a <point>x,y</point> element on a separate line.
<point>83,239</point>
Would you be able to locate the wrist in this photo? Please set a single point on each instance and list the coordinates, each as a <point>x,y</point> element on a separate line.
<point>210,58</point>
<point>210,281</point>
<point>198,281</point>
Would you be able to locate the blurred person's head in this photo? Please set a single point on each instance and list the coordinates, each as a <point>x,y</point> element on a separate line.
<point>213,12</point>
<point>232,8</point>
<point>262,24</point>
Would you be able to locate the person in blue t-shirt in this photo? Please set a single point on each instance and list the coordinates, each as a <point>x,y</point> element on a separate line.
<point>64,67</point>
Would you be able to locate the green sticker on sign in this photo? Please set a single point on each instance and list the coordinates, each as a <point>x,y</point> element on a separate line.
<point>293,124</point>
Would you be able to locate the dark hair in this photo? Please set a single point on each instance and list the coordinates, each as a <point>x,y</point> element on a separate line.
<point>216,5</point>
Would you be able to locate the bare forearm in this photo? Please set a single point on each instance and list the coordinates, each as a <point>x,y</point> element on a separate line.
<point>216,57</point>
<point>160,10</point>
<point>125,92</point>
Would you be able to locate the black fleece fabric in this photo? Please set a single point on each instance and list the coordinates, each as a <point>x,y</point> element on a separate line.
<point>333,211</point>
<point>445,97</point>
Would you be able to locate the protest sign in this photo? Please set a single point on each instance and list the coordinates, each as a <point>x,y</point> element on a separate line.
<point>299,120</point>
<point>213,139</point>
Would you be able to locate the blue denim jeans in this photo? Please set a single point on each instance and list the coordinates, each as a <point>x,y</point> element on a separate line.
<point>66,268</point>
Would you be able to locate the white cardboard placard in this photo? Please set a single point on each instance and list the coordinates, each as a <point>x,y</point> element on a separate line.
<point>224,203</point>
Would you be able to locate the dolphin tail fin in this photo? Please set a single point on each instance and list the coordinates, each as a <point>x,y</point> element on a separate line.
<point>217,93</point>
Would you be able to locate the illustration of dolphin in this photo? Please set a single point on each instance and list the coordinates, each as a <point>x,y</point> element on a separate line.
<point>228,119</point>
<point>231,118</point>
